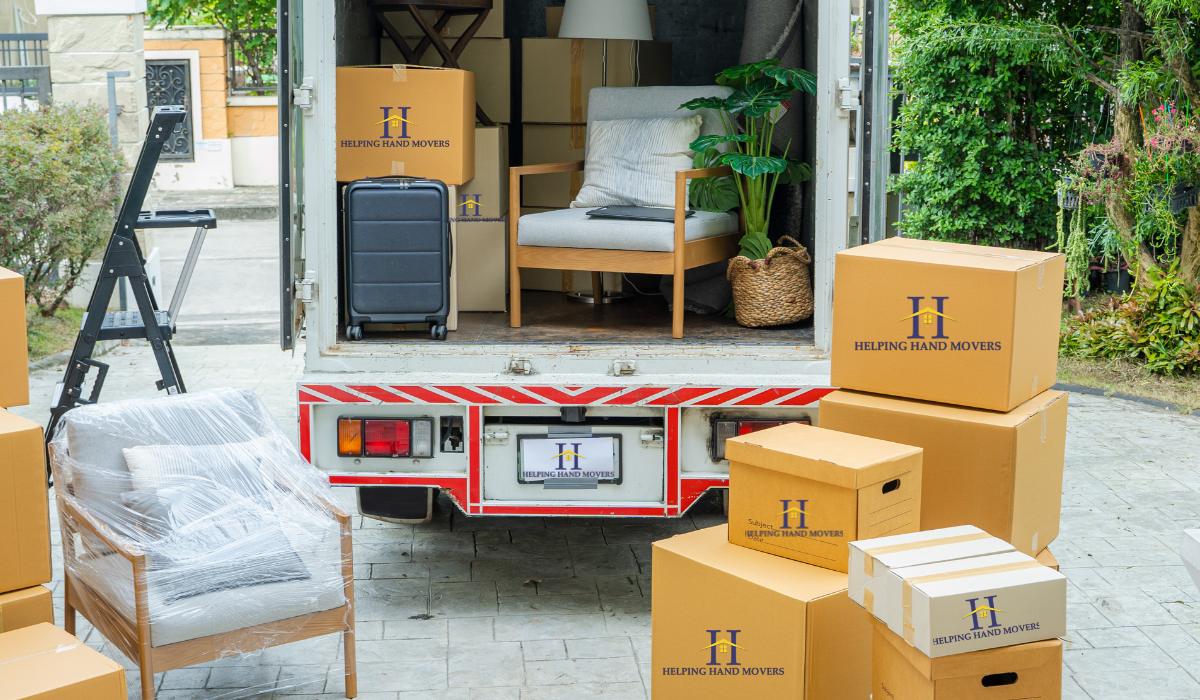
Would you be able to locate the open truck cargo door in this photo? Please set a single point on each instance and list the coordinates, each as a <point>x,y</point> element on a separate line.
<point>296,95</point>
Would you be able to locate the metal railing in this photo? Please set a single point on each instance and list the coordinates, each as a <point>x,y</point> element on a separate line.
<point>24,50</point>
<point>253,62</point>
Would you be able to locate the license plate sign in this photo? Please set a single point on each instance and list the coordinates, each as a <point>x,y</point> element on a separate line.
<point>596,457</point>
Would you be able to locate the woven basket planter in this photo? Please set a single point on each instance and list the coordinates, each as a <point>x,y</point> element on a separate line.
<point>773,291</point>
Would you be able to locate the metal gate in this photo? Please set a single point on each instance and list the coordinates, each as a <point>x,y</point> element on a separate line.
<point>169,82</point>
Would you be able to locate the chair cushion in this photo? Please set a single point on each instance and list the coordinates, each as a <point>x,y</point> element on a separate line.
<point>571,228</point>
<point>633,161</point>
<point>236,467</point>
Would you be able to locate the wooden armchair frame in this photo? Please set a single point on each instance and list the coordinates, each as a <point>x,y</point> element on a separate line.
<point>685,256</point>
<point>132,637</point>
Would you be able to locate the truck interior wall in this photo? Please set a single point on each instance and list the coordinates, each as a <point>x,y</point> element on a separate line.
<point>808,33</point>
<point>357,33</point>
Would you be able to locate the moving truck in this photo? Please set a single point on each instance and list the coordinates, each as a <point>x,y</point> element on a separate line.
<point>465,414</point>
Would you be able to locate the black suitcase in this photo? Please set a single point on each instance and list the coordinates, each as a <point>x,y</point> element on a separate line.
<point>397,254</point>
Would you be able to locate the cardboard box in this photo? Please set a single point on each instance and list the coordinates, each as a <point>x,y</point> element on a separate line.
<point>46,663</point>
<point>730,622</point>
<point>405,120</point>
<point>25,607</point>
<point>485,196</point>
<point>558,74</point>
<point>551,143</point>
<point>900,672</point>
<point>982,607</point>
<point>493,24</point>
<point>489,59</point>
<point>1045,558</point>
<point>14,355</point>
<point>896,611</point>
<point>805,493</point>
<point>958,324</point>
<point>483,260</point>
<point>554,20</point>
<point>871,560</point>
<point>24,505</point>
<point>1001,472</point>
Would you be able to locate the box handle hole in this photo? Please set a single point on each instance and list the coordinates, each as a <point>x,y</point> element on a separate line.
<point>995,679</point>
<point>891,486</point>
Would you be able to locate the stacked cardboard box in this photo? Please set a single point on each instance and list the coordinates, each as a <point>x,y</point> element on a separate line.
<point>44,662</point>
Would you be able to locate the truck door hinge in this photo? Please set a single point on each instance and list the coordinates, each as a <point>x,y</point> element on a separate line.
<point>624,368</point>
<point>516,366</point>
<point>302,96</point>
<point>495,436</point>
<point>849,97</point>
<point>306,289</point>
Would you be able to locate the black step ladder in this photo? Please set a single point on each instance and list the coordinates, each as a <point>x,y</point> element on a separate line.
<point>123,260</point>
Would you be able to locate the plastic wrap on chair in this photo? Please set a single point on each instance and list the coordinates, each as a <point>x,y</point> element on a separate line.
<point>192,518</point>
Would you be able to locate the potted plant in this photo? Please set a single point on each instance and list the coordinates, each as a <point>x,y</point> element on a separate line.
<point>770,285</point>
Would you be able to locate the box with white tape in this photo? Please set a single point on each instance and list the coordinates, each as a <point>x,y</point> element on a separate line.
<point>899,582</point>
<point>870,560</point>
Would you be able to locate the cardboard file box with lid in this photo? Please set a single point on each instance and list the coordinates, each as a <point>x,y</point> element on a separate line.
<point>26,607</point>
<point>14,357</point>
<point>24,505</point>
<point>558,74</point>
<point>1023,671</point>
<point>730,622</point>
<point>958,324</point>
<point>415,121</point>
<point>805,493</point>
<point>46,663</point>
<point>871,560</point>
<point>489,59</point>
<point>1001,472</point>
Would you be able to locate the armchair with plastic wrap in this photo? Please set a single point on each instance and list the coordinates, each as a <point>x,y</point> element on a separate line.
<point>192,530</point>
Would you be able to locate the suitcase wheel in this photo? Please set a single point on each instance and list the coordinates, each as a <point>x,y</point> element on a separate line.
<point>437,332</point>
<point>354,332</point>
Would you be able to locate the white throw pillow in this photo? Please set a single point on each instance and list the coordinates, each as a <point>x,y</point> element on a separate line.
<point>237,466</point>
<point>633,161</point>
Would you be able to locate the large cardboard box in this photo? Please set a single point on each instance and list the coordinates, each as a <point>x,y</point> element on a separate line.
<point>978,603</point>
<point>900,672</point>
<point>805,493</point>
<point>558,74</point>
<point>25,607</point>
<point>405,120</point>
<point>551,143</point>
<point>483,265</point>
<point>958,324</point>
<point>489,59</point>
<point>485,196</point>
<point>24,505</point>
<point>730,622</point>
<point>554,20</point>
<point>14,356</point>
<point>46,663</point>
<point>493,24</point>
<point>871,560</point>
<point>1001,472</point>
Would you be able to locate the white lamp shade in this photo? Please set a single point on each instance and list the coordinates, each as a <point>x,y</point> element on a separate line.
<point>606,19</point>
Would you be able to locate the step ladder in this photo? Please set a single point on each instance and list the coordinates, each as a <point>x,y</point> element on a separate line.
<point>123,260</point>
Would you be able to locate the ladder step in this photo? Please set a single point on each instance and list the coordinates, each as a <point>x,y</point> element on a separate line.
<point>124,325</point>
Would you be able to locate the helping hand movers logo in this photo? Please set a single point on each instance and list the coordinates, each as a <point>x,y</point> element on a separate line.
<point>569,460</point>
<point>395,134</point>
<point>722,653</point>
<point>984,622</point>
<point>794,523</point>
<point>471,209</point>
<point>927,314</point>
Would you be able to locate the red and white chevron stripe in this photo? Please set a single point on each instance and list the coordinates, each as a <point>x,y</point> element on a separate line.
<point>514,395</point>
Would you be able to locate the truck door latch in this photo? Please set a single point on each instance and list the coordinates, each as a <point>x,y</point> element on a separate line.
<point>520,367</point>
<point>495,436</point>
<point>849,96</point>
<point>624,368</point>
<point>652,438</point>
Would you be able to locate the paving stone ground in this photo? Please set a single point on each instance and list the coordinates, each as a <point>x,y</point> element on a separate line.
<point>547,609</point>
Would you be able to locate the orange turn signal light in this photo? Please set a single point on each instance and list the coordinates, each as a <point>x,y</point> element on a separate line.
<point>350,437</point>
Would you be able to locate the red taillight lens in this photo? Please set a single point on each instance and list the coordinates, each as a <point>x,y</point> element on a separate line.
<point>746,427</point>
<point>387,438</point>
<point>722,430</point>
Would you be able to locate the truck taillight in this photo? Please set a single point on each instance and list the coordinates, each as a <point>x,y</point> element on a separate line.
<point>390,437</point>
<point>722,430</point>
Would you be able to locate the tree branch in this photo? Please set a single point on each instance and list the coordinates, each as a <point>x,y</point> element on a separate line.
<point>1092,78</point>
<point>1120,32</point>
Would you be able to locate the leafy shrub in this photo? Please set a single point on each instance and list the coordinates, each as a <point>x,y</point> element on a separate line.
<point>59,181</point>
<point>1158,323</point>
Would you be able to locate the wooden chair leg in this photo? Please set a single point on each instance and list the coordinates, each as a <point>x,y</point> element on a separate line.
<point>597,287</point>
<point>677,303</point>
<point>514,299</point>
<point>351,664</point>
<point>147,679</point>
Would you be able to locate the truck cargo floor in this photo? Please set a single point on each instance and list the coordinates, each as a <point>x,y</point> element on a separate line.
<point>548,317</point>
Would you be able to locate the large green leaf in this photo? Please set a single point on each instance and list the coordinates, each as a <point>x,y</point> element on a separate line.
<point>706,142</point>
<point>704,103</point>
<point>797,171</point>
<point>738,76</point>
<point>757,98</point>
<point>712,193</point>
<point>754,166</point>
<point>794,78</point>
<point>755,245</point>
